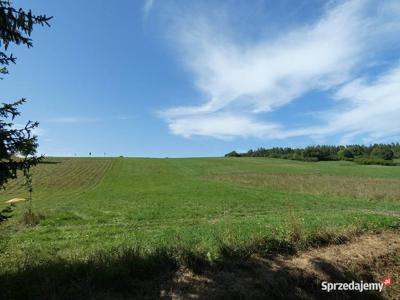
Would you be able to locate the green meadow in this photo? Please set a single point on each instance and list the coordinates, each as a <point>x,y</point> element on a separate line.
<point>124,228</point>
<point>199,204</point>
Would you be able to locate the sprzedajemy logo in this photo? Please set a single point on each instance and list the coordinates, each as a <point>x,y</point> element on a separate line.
<point>356,286</point>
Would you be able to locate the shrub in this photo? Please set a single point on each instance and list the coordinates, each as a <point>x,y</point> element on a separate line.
<point>357,150</point>
<point>382,152</point>
<point>297,156</point>
<point>345,154</point>
<point>6,213</point>
<point>311,159</point>
<point>321,152</point>
<point>374,161</point>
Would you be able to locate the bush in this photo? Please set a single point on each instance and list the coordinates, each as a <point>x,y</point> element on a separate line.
<point>345,154</point>
<point>311,159</point>
<point>374,161</point>
<point>297,156</point>
<point>321,152</point>
<point>6,213</point>
<point>382,152</point>
<point>357,150</point>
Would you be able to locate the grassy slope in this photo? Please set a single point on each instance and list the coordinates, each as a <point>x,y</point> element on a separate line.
<point>93,204</point>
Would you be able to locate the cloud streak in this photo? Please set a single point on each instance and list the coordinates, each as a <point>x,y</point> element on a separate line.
<point>220,125</point>
<point>240,81</point>
<point>374,106</point>
<point>148,5</point>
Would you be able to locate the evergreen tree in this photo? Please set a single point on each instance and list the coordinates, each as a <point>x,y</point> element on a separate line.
<point>18,145</point>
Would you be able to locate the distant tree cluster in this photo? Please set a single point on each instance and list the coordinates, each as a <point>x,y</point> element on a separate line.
<point>372,154</point>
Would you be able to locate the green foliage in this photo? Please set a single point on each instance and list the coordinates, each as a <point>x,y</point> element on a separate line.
<point>382,152</point>
<point>5,213</point>
<point>358,150</point>
<point>17,145</point>
<point>310,159</point>
<point>374,161</point>
<point>321,152</point>
<point>232,154</point>
<point>345,154</point>
<point>396,150</point>
<point>16,26</point>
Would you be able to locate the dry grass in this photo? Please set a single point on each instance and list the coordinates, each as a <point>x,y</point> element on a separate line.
<point>15,200</point>
<point>345,186</point>
<point>369,258</point>
<point>31,219</point>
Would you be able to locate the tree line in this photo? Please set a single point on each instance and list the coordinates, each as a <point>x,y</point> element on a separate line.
<point>383,154</point>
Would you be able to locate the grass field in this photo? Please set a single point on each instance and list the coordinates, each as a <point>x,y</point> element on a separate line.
<point>202,205</point>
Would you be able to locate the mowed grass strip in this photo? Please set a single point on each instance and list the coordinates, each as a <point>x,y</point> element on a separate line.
<point>98,204</point>
<point>59,177</point>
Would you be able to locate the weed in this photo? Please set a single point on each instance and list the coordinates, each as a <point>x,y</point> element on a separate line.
<point>30,218</point>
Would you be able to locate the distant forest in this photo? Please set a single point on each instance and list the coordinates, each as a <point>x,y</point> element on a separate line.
<point>383,154</point>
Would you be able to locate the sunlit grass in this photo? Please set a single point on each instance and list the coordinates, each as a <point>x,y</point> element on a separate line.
<point>201,205</point>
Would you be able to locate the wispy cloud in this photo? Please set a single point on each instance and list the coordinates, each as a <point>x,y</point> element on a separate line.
<point>220,125</point>
<point>371,108</point>
<point>242,80</point>
<point>374,106</point>
<point>148,5</point>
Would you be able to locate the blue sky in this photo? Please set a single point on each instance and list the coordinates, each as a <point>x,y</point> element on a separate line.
<point>201,78</point>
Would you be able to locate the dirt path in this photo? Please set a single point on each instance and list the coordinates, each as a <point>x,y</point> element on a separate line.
<point>369,258</point>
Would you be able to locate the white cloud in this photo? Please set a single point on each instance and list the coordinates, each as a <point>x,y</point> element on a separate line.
<point>148,5</point>
<point>372,109</point>
<point>223,126</point>
<point>265,75</point>
<point>374,106</point>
